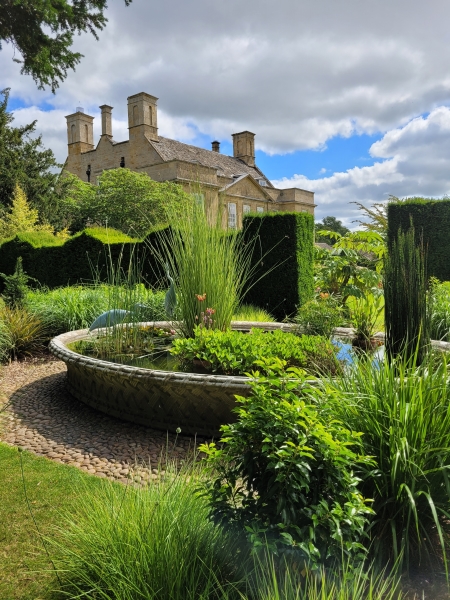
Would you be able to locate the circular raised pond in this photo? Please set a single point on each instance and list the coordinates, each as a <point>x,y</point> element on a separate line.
<point>195,403</point>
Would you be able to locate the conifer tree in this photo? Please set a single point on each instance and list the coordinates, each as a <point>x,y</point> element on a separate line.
<point>20,217</point>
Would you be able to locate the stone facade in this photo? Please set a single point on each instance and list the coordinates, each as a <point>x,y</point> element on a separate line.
<point>234,182</point>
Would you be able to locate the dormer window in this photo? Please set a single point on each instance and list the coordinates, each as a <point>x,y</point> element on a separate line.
<point>263,182</point>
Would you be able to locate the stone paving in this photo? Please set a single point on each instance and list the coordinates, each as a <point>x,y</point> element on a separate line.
<point>38,414</point>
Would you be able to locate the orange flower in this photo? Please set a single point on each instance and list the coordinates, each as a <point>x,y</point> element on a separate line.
<point>200,297</point>
<point>324,295</point>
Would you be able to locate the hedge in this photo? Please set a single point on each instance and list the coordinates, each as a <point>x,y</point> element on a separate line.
<point>431,220</point>
<point>283,261</point>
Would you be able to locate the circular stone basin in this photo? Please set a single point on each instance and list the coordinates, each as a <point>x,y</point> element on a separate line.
<point>195,403</point>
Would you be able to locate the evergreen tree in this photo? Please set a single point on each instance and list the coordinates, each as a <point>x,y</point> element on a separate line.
<point>42,31</point>
<point>25,161</point>
<point>20,217</point>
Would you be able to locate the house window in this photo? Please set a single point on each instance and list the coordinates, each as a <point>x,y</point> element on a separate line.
<point>232,215</point>
<point>246,209</point>
<point>72,133</point>
<point>263,182</point>
<point>259,209</point>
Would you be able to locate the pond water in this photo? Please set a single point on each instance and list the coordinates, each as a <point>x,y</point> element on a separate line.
<point>162,360</point>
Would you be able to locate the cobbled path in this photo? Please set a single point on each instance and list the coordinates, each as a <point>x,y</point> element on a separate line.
<point>38,414</point>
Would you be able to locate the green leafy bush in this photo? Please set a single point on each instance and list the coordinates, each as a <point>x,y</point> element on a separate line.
<point>320,316</point>
<point>285,475</point>
<point>236,353</point>
<point>403,412</point>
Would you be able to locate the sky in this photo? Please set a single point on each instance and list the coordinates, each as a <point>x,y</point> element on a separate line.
<point>349,99</point>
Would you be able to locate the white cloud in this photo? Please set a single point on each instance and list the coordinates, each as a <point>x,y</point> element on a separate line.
<point>415,161</point>
<point>295,73</point>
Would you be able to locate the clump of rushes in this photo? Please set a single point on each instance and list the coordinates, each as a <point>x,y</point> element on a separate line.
<point>152,542</point>
<point>249,312</point>
<point>21,333</point>
<point>403,412</point>
<point>203,259</point>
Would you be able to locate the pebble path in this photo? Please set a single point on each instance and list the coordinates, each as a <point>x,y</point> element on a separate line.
<point>38,414</point>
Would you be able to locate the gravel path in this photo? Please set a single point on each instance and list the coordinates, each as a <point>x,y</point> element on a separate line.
<point>38,414</point>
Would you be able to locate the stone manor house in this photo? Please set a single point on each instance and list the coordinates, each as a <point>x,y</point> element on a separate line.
<point>235,181</point>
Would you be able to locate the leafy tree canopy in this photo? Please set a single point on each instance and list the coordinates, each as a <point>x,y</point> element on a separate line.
<point>42,31</point>
<point>24,160</point>
<point>330,224</point>
<point>20,217</point>
<point>123,199</point>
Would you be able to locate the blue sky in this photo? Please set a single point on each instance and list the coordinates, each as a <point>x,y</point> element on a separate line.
<point>351,104</point>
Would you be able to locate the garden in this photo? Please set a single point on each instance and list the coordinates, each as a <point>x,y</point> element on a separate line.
<point>317,384</point>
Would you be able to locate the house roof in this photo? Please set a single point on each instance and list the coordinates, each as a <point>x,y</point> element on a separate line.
<point>227,166</point>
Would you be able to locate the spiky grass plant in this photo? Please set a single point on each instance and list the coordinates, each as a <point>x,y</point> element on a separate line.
<point>209,266</point>
<point>21,332</point>
<point>403,412</point>
<point>405,293</point>
<point>154,542</point>
<point>249,312</point>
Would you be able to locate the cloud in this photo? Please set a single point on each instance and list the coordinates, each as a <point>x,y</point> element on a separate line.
<point>414,161</point>
<point>295,73</point>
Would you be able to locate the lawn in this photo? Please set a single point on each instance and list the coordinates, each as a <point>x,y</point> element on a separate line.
<point>26,572</point>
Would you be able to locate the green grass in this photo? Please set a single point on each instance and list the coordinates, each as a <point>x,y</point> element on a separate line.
<point>76,307</point>
<point>51,488</point>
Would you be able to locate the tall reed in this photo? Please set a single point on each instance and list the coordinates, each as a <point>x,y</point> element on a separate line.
<point>405,293</point>
<point>209,266</point>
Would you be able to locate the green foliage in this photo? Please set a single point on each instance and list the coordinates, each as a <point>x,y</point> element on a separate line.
<point>23,160</point>
<point>55,262</point>
<point>352,267</point>
<point>75,197</point>
<point>285,475</point>
<point>25,333</point>
<point>155,542</point>
<point>405,291</point>
<point>431,220</point>
<point>15,286</point>
<point>209,268</point>
<point>132,202</point>
<point>20,216</point>
<point>330,224</point>
<point>403,411</point>
<point>236,353</point>
<point>43,34</point>
<point>282,262</point>
<point>320,316</point>
<point>248,312</point>
<point>365,313</point>
<point>76,307</point>
<point>439,307</point>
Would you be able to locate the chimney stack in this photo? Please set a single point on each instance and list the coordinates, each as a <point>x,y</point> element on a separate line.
<point>215,146</point>
<point>244,147</point>
<point>106,120</point>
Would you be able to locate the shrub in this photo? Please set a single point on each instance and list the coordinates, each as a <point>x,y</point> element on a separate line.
<point>320,316</point>
<point>155,542</point>
<point>285,475</point>
<point>403,411</point>
<point>405,297</point>
<point>236,353</point>
<point>15,287</point>
<point>431,220</point>
<point>282,261</point>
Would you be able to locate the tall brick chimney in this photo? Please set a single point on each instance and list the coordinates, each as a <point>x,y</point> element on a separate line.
<point>106,120</point>
<point>244,147</point>
<point>143,116</point>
